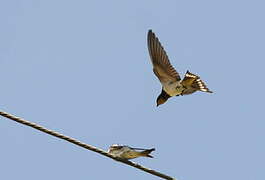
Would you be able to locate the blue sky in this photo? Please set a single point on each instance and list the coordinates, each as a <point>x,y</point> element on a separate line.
<point>82,68</point>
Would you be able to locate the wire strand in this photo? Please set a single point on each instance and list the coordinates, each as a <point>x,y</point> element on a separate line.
<point>81,144</point>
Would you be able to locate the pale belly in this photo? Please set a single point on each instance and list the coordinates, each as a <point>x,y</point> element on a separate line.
<point>130,155</point>
<point>173,89</point>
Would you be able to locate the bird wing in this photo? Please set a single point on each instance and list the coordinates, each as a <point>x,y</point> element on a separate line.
<point>161,64</point>
<point>141,149</point>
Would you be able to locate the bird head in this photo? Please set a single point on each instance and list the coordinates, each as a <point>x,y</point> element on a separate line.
<point>160,100</point>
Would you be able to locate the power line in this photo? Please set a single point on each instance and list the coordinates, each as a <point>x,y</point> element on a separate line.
<point>81,144</point>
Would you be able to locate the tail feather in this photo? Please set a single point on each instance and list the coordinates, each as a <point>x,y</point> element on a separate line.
<point>201,86</point>
<point>147,152</point>
<point>194,81</point>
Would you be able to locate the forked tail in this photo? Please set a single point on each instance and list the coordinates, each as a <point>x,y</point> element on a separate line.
<point>147,152</point>
<point>194,81</point>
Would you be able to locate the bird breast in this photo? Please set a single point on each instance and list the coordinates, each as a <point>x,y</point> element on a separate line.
<point>173,88</point>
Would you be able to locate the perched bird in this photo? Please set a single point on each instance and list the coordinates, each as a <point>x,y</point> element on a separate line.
<point>172,85</point>
<point>126,152</point>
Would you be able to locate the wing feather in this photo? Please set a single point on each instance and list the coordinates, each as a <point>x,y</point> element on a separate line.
<point>161,64</point>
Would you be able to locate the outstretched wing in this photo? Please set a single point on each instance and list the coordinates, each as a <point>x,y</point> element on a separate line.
<point>161,64</point>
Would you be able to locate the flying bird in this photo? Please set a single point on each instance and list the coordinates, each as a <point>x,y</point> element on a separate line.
<point>172,85</point>
<point>126,152</point>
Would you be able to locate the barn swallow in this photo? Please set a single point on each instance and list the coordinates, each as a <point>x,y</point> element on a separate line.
<point>126,152</point>
<point>172,85</point>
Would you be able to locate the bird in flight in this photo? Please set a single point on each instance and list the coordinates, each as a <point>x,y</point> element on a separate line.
<point>126,152</point>
<point>172,85</point>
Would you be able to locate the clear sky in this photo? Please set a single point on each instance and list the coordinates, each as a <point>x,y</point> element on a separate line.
<point>82,68</point>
